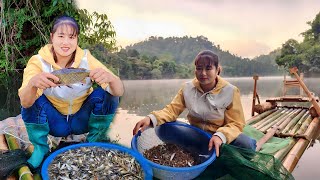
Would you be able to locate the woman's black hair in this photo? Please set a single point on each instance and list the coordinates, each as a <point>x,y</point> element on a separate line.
<point>66,21</point>
<point>208,57</point>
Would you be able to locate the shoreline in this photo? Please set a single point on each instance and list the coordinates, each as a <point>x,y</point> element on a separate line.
<point>122,126</point>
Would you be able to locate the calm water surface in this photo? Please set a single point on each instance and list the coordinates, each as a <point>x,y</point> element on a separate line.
<point>143,96</point>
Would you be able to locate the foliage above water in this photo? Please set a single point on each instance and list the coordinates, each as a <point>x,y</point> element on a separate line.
<point>304,55</point>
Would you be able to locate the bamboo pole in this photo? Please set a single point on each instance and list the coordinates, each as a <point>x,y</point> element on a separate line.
<point>279,116</point>
<point>313,112</point>
<point>283,152</point>
<point>299,123</point>
<point>304,125</point>
<point>294,71</point>
<point>278,121</point>
<point>293,121</point>
<point>314,125</point>
<point>23,171</point>
<point>293,113</point>
<point>259,117</point>
<point>292,125</point>
<point>288,120</point>
<point>296,152</point>
<point>255,77</point>
<point>11,141</point>
<point>37,177</point>
<point>272,131</point>
<point>266,137</point>
<point>3,143</point>
<point>275,114</point>
<point>263,107</point>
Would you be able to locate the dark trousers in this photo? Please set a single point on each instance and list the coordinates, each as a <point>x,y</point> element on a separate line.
<point>99,102</point>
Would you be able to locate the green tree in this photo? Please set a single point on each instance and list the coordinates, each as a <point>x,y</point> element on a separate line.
<point>169,69</point>
<point>156,74</point>
<point>289,56</point>
<point>304,55</point>
<point>25,27</point>
<point>95,29</point>
<point>313,34</point>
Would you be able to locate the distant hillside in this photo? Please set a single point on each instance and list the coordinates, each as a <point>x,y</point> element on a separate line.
<point>182,50</point>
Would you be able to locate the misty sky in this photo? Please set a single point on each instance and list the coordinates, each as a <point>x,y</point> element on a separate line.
<point>244,27</point>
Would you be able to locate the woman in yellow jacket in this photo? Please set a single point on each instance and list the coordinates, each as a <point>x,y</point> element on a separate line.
<point>214,105</point>
<point>61,111</point>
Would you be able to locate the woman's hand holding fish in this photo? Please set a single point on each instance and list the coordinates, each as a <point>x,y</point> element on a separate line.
<point>216,142</point>
<point>44,80</point>
<point>101,76</point>
<point>39,81</point>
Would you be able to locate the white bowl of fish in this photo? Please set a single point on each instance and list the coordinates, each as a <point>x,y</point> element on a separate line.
<point>175,150</point>
<point>95,161</point>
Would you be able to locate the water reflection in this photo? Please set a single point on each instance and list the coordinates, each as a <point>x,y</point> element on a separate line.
<point>143,96</point>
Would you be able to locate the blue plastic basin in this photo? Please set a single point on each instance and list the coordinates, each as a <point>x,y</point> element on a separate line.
<point>143,163</point>
<point>189,137</point>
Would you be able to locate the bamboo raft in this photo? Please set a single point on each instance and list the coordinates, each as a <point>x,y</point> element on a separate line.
<point>299,123</point>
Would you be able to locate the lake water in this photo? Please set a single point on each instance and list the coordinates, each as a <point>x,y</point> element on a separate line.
<point>143,96</point>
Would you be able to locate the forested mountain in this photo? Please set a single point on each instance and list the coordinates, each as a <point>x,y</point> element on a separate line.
<point>182,50</point>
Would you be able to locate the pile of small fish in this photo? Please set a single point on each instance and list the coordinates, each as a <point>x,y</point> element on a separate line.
<point>94,163</point>
<point>171,155</point>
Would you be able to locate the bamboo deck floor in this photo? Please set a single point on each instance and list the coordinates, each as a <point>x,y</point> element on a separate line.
<point>295,122</point>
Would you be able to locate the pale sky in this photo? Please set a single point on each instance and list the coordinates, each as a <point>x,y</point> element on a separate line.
<point>247,28</point>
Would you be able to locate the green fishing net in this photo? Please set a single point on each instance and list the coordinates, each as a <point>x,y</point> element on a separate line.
<point>11,160</point>
<point>272,146</point>
<point>240,163</point>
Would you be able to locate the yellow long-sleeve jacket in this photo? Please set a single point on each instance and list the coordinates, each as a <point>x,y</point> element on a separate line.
<point>218,111</point>
<point>40,63</point>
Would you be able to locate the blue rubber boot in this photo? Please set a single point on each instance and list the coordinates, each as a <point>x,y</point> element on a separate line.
<point>98,127</point>
<point>38,136</point>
